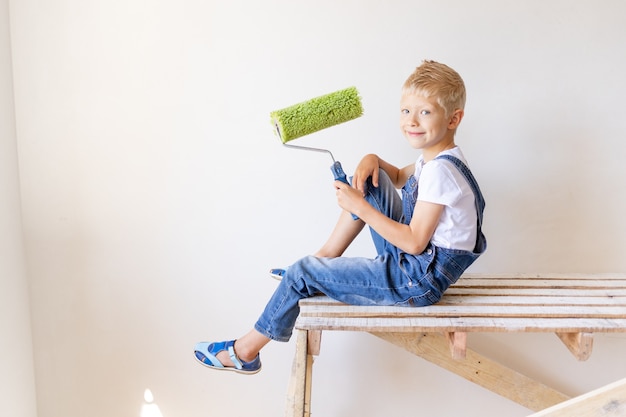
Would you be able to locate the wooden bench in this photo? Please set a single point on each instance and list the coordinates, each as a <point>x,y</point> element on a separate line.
<point>574,307</point>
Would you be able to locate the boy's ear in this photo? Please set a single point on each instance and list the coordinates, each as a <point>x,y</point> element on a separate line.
<point>455,119</point>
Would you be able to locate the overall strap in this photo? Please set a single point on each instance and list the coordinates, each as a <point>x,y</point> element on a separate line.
<point>478,196</point>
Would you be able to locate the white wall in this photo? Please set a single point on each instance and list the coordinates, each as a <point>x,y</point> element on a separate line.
<point>155,196</point>
<point>17,380</point>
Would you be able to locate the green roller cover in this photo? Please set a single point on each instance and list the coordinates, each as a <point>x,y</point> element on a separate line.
<point>317,114</point>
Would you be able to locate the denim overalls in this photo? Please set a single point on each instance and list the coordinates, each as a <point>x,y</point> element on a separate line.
<point>392,278</point>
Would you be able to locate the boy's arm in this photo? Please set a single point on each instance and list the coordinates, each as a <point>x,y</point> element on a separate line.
<point>398,176</point>
<point>369,166</point>
<point>412,238</point>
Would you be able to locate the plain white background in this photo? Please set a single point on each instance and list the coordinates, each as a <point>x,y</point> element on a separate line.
<point>154,196</point>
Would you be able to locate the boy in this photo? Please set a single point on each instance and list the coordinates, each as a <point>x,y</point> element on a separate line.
<point>424,240</point>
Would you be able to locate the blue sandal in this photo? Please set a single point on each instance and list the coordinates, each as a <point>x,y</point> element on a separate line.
<point>277,273</point>
<point>206,354</point>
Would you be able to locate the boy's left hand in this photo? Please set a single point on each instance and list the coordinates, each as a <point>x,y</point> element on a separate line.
<point>367,168</point>
<point>348,198</point>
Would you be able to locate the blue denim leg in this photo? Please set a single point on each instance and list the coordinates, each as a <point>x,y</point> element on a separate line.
<point>392,278</point>
<point>385,199</point>
<point>356,281</point>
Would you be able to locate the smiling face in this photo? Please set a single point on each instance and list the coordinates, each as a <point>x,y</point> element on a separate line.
<point>426,126</point>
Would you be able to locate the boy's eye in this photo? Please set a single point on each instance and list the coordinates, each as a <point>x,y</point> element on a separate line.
<point>421,112</point>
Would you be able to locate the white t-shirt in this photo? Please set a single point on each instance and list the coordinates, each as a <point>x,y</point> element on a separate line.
<point>441,182</point>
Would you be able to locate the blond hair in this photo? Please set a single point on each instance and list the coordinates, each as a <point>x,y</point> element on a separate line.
<point>433,79</point>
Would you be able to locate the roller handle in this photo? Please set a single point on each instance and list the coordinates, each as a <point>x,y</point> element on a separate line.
<point>337,171</point>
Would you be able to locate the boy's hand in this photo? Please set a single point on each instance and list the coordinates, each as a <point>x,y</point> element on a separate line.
<point>368,167</point>
<point>348,198</point>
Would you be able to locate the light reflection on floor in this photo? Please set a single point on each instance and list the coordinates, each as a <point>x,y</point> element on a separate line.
<point>150,408</point>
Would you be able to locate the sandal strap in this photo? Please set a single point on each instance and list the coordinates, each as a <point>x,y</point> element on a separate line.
<point>233,355</point>
<point>213,359</point>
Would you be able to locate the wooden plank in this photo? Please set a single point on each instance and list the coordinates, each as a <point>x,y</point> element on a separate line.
<point>465,310</point>
<point>301,381</point>
<point>538,292</point>
<point>557,300</point>
<point>580,344</point>
<point>540,283</point>
<point>314,342</point>
<point>592,277</point>
<point>607,401</point>
<point>308,383</point>
<point>479,370</point>
<point>488,299</point>
<point>513,298</point>
<point>458,344</point>
<point>296,392</point>
<point>463,324</point>
<point>577,284</point>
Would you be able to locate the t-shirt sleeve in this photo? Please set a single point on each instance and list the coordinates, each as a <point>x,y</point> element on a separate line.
<point>437,185</point>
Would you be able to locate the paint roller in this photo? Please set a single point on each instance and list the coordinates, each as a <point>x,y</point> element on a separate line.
<point>316,114</point>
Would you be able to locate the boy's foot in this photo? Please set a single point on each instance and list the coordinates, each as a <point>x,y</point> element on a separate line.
<point>207,354</point>
<point>277,273</point>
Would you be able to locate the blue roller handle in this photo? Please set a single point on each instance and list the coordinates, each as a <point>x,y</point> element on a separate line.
<point>338,172</point>
<point>340,176</point>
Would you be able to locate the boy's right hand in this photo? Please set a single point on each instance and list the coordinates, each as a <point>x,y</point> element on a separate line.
<point>368,167</point>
